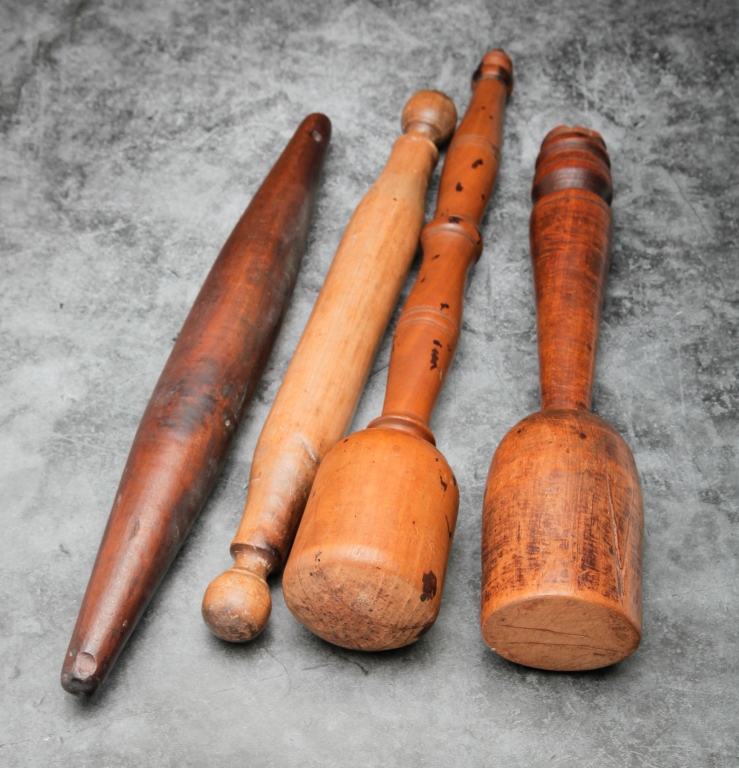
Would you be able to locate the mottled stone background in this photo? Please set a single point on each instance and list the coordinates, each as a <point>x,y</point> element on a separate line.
<point>133,134</point>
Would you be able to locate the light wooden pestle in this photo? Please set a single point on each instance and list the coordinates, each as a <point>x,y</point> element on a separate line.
<point>319,394</point>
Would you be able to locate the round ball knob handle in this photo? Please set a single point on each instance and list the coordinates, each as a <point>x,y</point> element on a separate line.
<point>431,113</point>
<point>236,605</point>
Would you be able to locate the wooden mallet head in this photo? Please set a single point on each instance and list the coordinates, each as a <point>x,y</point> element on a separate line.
<point>562,518</point>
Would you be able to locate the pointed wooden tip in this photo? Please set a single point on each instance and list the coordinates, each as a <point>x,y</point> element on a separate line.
<point>236,605</point>
<point>432,113</point>
<point>82,674</point>
<point>319,127</point>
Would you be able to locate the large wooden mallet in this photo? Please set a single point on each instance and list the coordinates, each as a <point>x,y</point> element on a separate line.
<point>368,565</point>
<point>562,520</point>
<point>319,394</point>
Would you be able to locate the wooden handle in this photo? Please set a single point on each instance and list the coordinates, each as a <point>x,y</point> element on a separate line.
<point>369,561</point>
<point>319,394</point>
<point>562,520</point>
<point>428,329</point>
<point>570,248</point>
<point>197,404</point>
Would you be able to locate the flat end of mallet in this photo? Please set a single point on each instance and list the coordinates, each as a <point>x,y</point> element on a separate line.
<point>563,633</point>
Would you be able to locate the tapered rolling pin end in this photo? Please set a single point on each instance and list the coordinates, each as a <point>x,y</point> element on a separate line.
<point>432,113</point>
<point>81,674</point>
<point>236,605</point>
<point>319,126</point>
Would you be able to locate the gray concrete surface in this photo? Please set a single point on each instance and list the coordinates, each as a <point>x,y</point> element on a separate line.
<point>133,134</point>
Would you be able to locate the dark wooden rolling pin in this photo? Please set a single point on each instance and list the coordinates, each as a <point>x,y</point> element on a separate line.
<point>197,404</point>
<point>563,520</point>
<point>321,389</point>
<point>369,560</point>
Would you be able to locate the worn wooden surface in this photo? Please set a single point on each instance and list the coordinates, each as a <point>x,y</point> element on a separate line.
<point>319,394</point>
<point>368,565</point>
<point>197,405</point>
<point>133,136</point>
<point>563,520</point>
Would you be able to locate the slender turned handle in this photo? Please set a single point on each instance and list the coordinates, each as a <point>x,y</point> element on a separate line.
<point>570,248</point>
<point>319,394</point>
<point>198,402</point>
<point>428,328</point>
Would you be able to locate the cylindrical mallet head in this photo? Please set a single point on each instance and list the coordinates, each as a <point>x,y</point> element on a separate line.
<point>562,518</point>
<point>368,564</point>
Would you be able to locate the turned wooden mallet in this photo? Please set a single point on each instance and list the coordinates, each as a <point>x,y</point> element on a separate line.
<point>562,518</point>
<point>319,394</point>
<point>197,404</point>
<point>369,560</point>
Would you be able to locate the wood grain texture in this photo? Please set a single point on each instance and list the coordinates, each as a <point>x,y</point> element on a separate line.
<point>319,394</point>
<point>563,514</point>
<point>196,407</point>
<point>368,565</point>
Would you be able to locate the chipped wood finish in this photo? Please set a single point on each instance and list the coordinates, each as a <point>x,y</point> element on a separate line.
<point>198,402</point>
<point>563,517</point>
<point>369,561</point>
<point>319,394</point>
